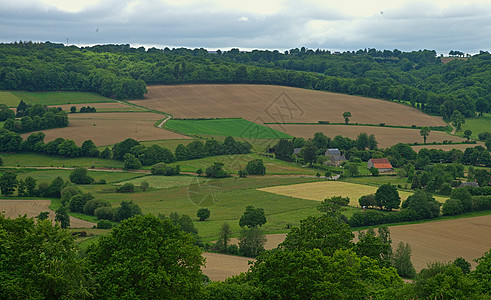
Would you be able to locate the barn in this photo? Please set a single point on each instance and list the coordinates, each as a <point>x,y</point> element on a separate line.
<point>382,164</point>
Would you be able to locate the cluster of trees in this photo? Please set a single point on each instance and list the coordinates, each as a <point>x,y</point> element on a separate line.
<point>421,205</point>
<point>461,201</point>
<point>83,109</point>
<point>120,71</point>
<point>32,117</point>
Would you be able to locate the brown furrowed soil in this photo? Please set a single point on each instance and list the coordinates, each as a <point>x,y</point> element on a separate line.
<point>386,136</point>
<point>110,128</point>
<point>266,103</point>
<point>14,208</point>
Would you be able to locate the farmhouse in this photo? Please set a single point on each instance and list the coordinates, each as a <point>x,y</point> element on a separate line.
<point>296,151</point>
<point>382,164</point>
<point>335,157</point>
<point>472,183</point>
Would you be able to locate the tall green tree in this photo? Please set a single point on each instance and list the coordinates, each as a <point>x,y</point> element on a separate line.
<point>402,261</point>
<point>425,132</point>
<point>8,183</point>
<point>252,217</point>
<point>346,116</point>
<point>147,258</point>
<point>387,197</point>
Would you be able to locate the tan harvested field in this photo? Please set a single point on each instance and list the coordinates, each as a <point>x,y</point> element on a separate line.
<point>266,103</point>
<point>102,107</point>
<point>14,208</point>
<point>386,136</point>
<point>448,147</point>
<point>319,191</point>
<point>430,241</point>
<point>222,266</point>
<point>110,128</point>
<point>446,60</point>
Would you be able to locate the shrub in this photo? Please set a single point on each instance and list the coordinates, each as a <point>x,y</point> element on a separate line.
<point>126,188</point>
<point>126,210</point>
<point>131,162</point>
<point>452,207</point>
<point>233,249</point>
<point>104,224</point>
<point>104,213</point>
<point>79,176</point>
<point>102,181</point>
<point>144,185</point>
<point>78,202</point>
<point>242,173</point>
<point>163,169</point>
<point>256,167</point>
<point>94,204</point>
<point>216,171</point>
<point>203,214</point>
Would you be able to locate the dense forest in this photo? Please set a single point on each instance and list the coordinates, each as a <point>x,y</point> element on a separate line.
<point>119,71</point>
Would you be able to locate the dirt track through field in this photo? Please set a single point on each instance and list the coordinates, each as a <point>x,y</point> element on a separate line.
<point>110,128</point>
<point>385,136</point>
<point>14,208</point>
<point>266,103</point>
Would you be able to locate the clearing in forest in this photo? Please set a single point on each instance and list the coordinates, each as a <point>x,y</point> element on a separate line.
<point>266,103</point>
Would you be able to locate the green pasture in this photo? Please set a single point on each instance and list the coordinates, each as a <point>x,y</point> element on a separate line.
<point>169,144</point>
<point>476,125</point>
<point>225,127</point>
<point>234,163</point>
<point>47,175</point>
<point>228,203</point>
<point>164,182</point>
<point>44,160</point>
<point>9,99</point>
<point>58,98</point>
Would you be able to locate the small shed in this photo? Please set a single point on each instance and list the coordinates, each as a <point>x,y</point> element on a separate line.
<point>382,164</point>
<point>335,157</point>
<point>296,151</point>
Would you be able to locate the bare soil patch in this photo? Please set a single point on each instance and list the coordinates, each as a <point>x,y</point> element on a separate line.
<point>110,128</point>
<point>32,208</point>
<point>222,266</point>
<point>266,103</point>
<point>386,136</point>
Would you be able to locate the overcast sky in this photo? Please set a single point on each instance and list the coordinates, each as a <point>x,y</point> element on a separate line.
<point>440,25</point>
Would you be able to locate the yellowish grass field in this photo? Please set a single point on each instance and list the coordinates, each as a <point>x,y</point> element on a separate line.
<point>319,191</point>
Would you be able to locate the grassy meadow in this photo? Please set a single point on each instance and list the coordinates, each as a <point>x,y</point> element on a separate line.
<point>236,127</point>
<point>57,98</point>
<point>476,125</point>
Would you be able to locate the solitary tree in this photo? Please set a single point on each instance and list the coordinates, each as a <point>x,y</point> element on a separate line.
<point>402,261</point>
<point>62,217</point>
<point>346,116</point>
<point>252,217</point>
<point>387,197</point>
<point>203,214</point>
<point>425,132</point>
<point>467,134</point>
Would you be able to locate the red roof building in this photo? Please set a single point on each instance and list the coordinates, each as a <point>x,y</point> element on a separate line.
<point>382,164</point>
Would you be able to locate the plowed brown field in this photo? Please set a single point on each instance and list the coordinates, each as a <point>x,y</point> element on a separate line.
<point>110,128</point>
<point>386,136</point>
<point>14,208</point>
<point>265,103</point>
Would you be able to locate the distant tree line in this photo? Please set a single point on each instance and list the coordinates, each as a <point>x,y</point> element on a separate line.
<point>119,71</point>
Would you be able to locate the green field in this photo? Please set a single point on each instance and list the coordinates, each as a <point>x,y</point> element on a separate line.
<point>56,98</point>
<point>169,144</point>
<point>234,163</point>
<point>9,99</point>
<point>47,175</point>
<point>164,182</point>
<point>44,160</point>
<point>476,125</point>
<point>225,127</point>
